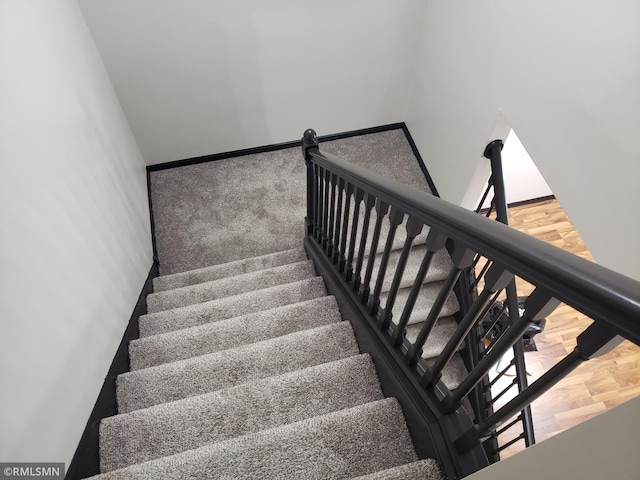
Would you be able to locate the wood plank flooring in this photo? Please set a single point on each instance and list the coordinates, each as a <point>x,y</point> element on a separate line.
<point>593,387</point>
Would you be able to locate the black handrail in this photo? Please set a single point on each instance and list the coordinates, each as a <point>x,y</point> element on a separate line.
<point>600,293</point>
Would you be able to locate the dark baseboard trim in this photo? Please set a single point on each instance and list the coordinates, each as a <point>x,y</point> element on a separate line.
<point>269,148</point>
<point>532,201</point>
<point>522,203</point>
<point>152,221</point>
<point>86,462</point>
<point>423,167</point>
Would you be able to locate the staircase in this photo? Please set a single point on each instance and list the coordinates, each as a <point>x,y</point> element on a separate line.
<point>247,370</point>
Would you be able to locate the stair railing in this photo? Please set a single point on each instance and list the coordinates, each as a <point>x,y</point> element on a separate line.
<point>486,398</point>
<point>340,194</point>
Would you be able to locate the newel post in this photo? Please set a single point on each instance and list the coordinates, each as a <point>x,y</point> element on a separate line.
<point>309,143</point>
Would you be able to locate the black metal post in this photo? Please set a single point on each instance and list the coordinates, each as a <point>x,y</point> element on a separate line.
<point>309,142</point>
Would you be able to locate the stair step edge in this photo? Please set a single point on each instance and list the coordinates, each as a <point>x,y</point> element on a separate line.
<point>222,270</point>
<point>229,286</point>
<point>236,331</point>
<point>195,421</point>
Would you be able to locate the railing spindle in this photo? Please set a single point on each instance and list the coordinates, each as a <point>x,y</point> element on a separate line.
<point>332,217</point>
<point>325,210</point>
<point>369,202</point>
<point>345,227</point>
<point>435,241</point>
<point>496,279</point>
<point>461,258</point>
<point>336,238</point>
<point>319,204</point>
<point>413,229</point>
<point>538,305</point>
<point>598,339</point>
<point>357,200</point>
<point>395,219</point>
<point>382,208</point>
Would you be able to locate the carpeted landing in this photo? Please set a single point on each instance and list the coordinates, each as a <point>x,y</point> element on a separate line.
<point>217,212</point>
<point>247,370</point>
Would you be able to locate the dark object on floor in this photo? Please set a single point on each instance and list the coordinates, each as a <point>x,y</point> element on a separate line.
<point>496,321</point>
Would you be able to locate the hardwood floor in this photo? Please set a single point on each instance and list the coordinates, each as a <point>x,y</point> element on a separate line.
<point>596,385</point>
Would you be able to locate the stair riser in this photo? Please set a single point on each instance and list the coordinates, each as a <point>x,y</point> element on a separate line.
<point>198,375</point>
<point>222,309</point>
<point>193,422</point>
<point>204,292</point>
<point>234,332</point>
<point>348,443</point>
<point>216,272</point>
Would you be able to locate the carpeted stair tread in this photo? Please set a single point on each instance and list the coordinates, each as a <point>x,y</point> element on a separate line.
<point>229,307</point>
<point>223,270</point>
<point>226,287</point>
<point>339,445</point>
<point>438,269</point>
<point>442,331</point>
<point>194,376</point>
<point>174,427</point>
<point>454,372</point>
<point>221,335</point>
<point>424,302</point>
<point>421,470</point>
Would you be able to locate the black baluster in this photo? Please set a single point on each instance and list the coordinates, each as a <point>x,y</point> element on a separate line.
<point>413,228</point>
<point>381,211</point>
<point>325,210</point>
<point>369,202</point>
<point>336,238</point>
<point>461,258</point>
<point>354,232</point>
<point>319,204</point>
<point>395,219</point>
<point>598,339</point>
<point>496,279</point>
<point>345,227</point>
<point>538,305</point>
<point>309,144</point>
<point>332,217</point>
<point>435,241</point>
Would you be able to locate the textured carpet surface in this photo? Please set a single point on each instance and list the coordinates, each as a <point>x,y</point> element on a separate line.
<point>421,470</point>
<point>228,307</point>
<point>246,329</point>
<point>224,287</point>
<point>217,212</point>
<point>339,445</point>
<point>197,375</point>
<point>190,423</point>
<point>230,269</point>
<point>243,368</point>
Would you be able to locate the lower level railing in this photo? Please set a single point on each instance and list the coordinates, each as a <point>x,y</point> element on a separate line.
<point>352,212</point>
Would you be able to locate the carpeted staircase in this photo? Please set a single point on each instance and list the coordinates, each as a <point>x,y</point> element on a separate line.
<point>247,370</point>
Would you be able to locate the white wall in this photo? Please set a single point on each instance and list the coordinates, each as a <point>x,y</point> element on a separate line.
<point>74,238</point>
<point>522,179</point>
<point>605,446</point>
<point>197,78</point>
<point>566,76</point>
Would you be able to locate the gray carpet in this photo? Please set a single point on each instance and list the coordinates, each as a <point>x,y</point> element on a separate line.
<point>193,376</point>
<point>229,307</point>
<point>419,470</point>
<point>228,413</point>
<point>245,369</point>
<point>226,287</point>
<point>339,445</point>
<point>250,328</point>
<point>217,212</point>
